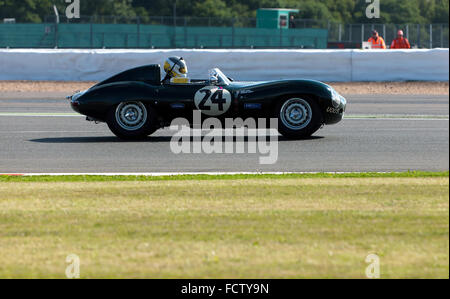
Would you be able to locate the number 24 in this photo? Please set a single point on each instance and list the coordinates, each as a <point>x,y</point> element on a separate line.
<point>217,98</point>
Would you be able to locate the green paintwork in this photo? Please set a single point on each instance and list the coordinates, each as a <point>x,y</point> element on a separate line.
<point>142,84</point>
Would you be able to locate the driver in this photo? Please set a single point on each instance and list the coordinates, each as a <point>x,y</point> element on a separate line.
<point>176,70</point>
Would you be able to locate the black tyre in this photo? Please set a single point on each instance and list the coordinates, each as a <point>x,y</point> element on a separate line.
<point>298,117</point>
<point>132,120</point>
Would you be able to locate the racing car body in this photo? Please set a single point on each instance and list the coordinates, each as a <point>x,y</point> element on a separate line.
<point>135,103</point>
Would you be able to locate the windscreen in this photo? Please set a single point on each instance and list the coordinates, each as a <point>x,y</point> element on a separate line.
<point>216,74</point>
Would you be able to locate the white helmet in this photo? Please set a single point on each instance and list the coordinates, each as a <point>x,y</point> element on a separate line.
<point>175,67</point>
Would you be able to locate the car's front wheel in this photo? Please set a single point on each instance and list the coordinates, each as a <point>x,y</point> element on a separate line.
<point>131,120</point>
<point>298,117</point>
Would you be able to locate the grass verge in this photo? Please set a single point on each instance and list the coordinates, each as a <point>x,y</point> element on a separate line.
<point>294,226</point>
<point>107,178</point>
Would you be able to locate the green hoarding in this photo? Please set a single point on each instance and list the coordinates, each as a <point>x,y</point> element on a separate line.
<point>67,35</point>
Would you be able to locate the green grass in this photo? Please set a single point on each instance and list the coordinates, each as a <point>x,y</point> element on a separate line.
<point>291,226</point>
<point>108,178</point>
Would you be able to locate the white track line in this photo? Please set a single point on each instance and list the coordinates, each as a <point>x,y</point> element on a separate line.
<point>348,117</point>
<point>39,132</point>
<point>397,118</point>
<point>41,114</point>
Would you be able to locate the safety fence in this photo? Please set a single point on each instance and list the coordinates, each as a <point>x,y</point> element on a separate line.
<point>420,36</point>
<point>198,32</point>
<point>246,65</point>
<point>92,36</point>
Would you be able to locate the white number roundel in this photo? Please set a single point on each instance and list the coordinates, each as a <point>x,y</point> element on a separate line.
<point>212,100</point>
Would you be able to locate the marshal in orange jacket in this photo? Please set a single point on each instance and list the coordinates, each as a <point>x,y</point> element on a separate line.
<point>400,43</point>
<point>377,43</point>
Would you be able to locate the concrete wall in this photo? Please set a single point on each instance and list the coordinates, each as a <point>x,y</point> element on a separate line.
<point>326,65</point>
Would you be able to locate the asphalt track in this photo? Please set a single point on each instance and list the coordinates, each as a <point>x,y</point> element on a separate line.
<point>39,133</point>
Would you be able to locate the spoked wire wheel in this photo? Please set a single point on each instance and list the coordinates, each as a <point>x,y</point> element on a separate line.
<point>131,116</point>
<point>296,114</point>
<point>298,117</point>
<point>132,120</point>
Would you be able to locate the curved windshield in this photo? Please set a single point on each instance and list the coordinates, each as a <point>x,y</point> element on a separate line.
<point>216,75</point>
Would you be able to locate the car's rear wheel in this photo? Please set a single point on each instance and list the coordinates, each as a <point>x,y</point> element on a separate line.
<point>131,120</point>
<point>298,117</point>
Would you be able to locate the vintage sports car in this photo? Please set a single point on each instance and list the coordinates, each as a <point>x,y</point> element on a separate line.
<point>136,103</point>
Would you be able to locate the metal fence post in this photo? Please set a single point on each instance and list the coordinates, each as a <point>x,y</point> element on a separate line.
<point>174,33</point>
<point>442,36</point>
<point>232,33</point>
<point>281,37</point>
<point>418,35</point>
<point>431,36</point>
<point>56,34</point>
<point>362,33</point>
<point>340,32</point>
<point>394,31</point>
<point>138,21</point>
<point>91,33</point>
<point>185,33</point>
<point>350,32</point>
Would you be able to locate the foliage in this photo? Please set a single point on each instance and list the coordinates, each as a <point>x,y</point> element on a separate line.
<point>346,11</point>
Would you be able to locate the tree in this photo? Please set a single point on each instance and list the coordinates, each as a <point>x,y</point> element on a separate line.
<point>32,11</point>
<point>344,11</point>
